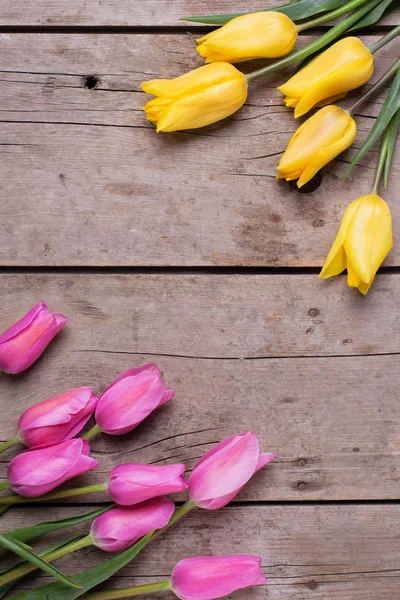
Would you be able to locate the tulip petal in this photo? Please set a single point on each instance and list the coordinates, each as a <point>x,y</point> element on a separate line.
<point>22,323</point>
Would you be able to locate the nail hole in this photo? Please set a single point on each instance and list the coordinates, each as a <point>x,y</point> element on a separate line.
<point>310,186</point>
<point>356,449</point>
<point>301,462</point>
<point>301,485</point>
<point>314,312</point>
<point>90,82</point>
<point>313,585</point>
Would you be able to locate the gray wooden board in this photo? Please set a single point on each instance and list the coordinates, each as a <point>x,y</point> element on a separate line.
<point>126,12</point>
<point>86,181</point>
<point>280,355</point>
<point>340,552</point>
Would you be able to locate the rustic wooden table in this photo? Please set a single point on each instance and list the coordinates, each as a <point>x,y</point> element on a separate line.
<point>183,249</point>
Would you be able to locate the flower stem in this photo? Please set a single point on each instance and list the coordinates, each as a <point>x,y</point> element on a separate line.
<point>330,16</point>
<point>381,82</point>
<point>89,489</point>
<point>137,590</point>
<point>321,42</point>
<point>9,443</point>
<point>178,514</point>
<point>385,39</point>
<point>25,569</point>
<point>3,485</point>
<point>381,161</point>
<point>92,432</point>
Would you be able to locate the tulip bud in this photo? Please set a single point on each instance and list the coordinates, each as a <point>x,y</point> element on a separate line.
<point>133,483</point>
<point>222,472</point>
<point>345,66</point>
<point>35,472</point>
<point>121,527</point>
<point>130,399</point>
<point>57,419</point>
<point>265,34</point>
<point>23,343</point>
<point>363,242</point>
<point>195,99</point>
<point>318,141</point>
<point>210,577</point>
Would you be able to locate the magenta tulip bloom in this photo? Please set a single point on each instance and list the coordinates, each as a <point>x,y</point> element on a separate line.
<point>133,483</point>
<point>57,419</point>
<point>130,399</point>
<point>121,527</point>
<point>23,343</point>
<point>224,470</point>
<point>209,577</point>
<point>36,472</point>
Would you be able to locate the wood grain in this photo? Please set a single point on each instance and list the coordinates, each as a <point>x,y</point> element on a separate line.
<point>88,182</point>
<point>126,12</point>
<point>235,350</point>
<point>343,552</point>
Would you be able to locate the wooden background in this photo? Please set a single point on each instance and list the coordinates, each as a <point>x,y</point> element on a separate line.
<point>184,250</point>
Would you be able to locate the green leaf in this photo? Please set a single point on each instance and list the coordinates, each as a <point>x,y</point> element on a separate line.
<point>302,9</point>
<point>24,552</point>
<point>25,534</point>
<point>375,14</point>
<point>389,109</point>
<point>56,546</point>
<point>87,579</point>
<point>392,132</point>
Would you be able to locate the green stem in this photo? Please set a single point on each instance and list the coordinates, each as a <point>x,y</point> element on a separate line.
<point>25,569</point>
<point>9,443</point>
<point>381,161</point>
<point>178,514</point>
<point>381,82</point>
<point>3,485</point>
<point>330,16</point>
<point>89,489</point>
<point>92,432</point>
<point>385,39</point>
<point>137,590</point>
<point>321,42</point>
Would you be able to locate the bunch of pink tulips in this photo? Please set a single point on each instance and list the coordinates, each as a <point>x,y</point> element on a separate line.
<point>55,456</point>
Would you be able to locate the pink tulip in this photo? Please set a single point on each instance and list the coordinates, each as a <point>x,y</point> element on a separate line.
<point>130,399</point>
<point>224,470</point>
<point>57,419</point>
<point>23,343</point>
<point>36,472</point>
<point>121,527</point>
<point>132,483</point>
<point>210,577</point>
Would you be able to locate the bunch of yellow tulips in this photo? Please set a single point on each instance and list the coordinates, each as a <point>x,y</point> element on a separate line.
<point>218,89</point>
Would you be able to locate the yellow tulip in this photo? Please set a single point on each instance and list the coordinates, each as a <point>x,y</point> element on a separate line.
<point>318,141</point>
<point>346,65</point>
<point>363,242</point>
<point>256,35</point>
<point>196,99</point>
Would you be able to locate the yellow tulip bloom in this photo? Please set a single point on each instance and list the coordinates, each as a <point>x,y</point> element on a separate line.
<point>318,141</point>
<point>257,35</point>
<point>363,242</point>
<point>195,99</point>
<point>345,66</point>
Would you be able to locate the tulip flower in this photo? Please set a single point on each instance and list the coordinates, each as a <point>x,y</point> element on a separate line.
<point>56,419</point>
<point>121,527</point>
<point>195,99</point>
<point>345,66</point>
<point>316,142</point>
<point>210,577</point>
<point>133,483</point>
<point>130,399</point>
<point>265,34</point>
<point>35,472</point>
<point>363,242</point>
<point>23,343</point>
<point>222,472</point>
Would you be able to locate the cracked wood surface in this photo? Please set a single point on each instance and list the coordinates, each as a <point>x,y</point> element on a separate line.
<point>309,552</point>
<point>220,341</point>
<point>131,13</point>
<point>88,182</point>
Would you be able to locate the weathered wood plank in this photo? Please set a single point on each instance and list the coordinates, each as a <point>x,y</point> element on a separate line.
<point>309,552</point>
<point>331,420</point>
<point>87,182</point>
<point>126,12</point>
